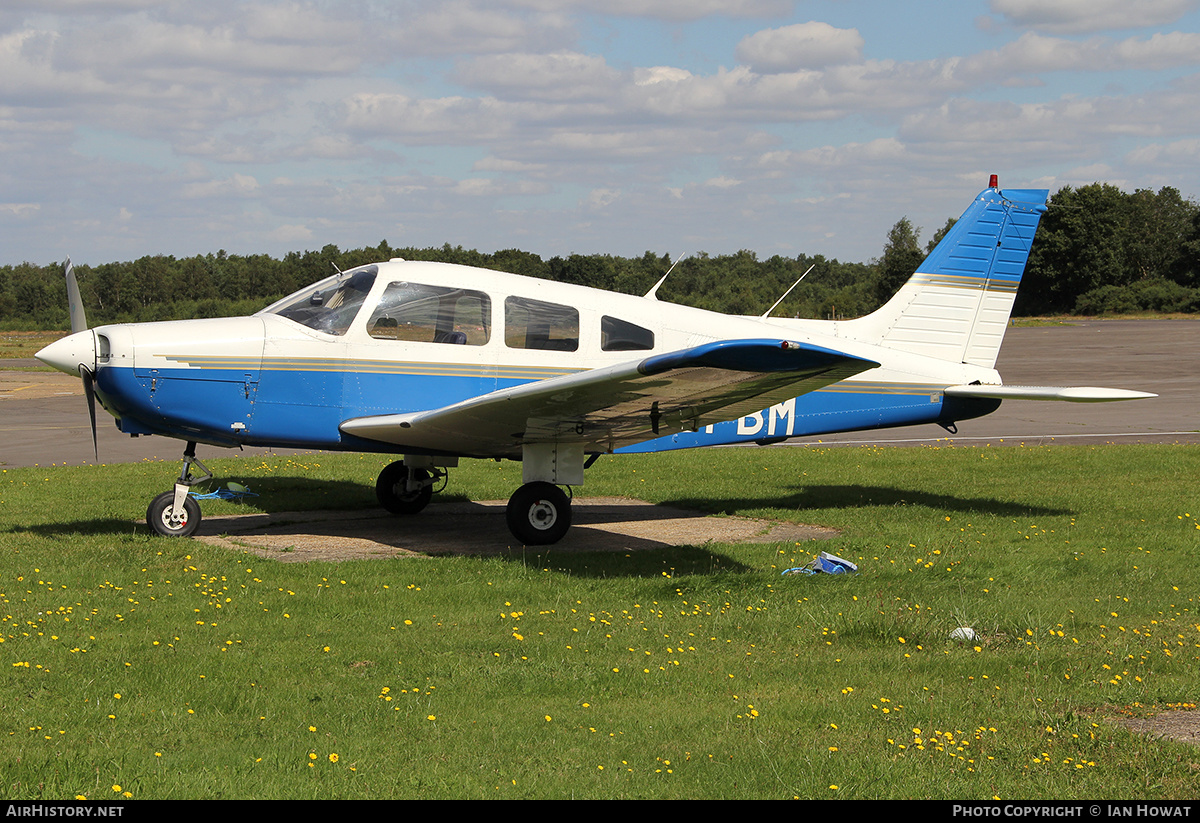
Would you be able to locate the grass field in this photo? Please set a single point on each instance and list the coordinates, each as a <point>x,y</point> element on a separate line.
<point>132,665</point>
<point>15,344</point>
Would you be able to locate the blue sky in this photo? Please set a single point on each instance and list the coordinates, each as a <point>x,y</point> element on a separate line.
<point>133,127</point>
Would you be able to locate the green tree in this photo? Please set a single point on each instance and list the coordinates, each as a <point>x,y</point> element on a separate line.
<point>1156,228</point>
<point>1078,248</point>
<point>901,256</point>
<point>939,235</point>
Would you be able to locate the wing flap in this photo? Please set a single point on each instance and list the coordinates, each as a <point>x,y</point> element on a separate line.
<point>1073,394</point>
<point>619,405</point>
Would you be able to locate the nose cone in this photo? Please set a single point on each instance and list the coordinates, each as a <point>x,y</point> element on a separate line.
<point>71,352</point>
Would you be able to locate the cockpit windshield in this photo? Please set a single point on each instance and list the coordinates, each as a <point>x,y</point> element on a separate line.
<point>331,305</point>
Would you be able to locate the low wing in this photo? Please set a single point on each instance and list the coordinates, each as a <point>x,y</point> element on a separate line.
<point>620,405</point>
<point>1074,394</point>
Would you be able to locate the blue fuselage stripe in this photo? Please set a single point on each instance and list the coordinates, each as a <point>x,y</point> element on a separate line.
<point>301,408</point>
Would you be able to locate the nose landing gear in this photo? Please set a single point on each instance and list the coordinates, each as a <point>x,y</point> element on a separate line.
<point>174,513</point>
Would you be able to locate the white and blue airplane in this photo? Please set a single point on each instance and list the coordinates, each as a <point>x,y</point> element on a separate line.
<point>438,362</point>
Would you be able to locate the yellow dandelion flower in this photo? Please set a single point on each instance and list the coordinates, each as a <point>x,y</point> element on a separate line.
<point>333,758</point>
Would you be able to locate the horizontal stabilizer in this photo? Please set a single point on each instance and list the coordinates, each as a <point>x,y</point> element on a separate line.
<point>1073,394</point>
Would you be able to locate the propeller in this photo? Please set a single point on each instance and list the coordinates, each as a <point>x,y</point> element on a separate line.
<point>78,324</point>
<point>76,353</point>
<point>74,300</point>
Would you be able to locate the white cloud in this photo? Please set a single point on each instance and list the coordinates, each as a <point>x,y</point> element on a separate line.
<point>1168,155</point>
<point>465,28</point>
<point>447,120</point>
<point>1076,16</point>
<point>800,46</point>
<point>488,187</point>
<point>660,74</point>
<point>298,23</point>
<point>556,76</point>
<point>157,51</point>
<point>497,164</point>
<point>676,10</point>
<point>237,185</point>
<point>600,198</point>
<point>81,6</point>
<point>1160,51</point>
<point>470,122</point>
<point>290,234</point>
<point>722,182</point>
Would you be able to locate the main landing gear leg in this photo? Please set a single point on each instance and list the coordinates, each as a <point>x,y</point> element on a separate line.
<point>539,513</point>
<point>174,513</point>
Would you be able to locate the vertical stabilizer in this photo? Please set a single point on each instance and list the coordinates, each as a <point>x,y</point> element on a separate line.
<point>956,306</point>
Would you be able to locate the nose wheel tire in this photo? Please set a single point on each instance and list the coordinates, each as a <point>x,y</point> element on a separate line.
<point>162,518</point>
<point>538,514</point>
<point>391,489</point>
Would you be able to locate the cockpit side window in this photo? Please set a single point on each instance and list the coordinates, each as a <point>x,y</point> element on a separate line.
<point>620,335</point>
<point>331,305</point>
<point>420,313</point>
<point>532,324</point>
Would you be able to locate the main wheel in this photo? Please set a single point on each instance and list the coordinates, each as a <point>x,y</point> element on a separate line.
<point>391,489</point>
<point>161,516</point>
<point>538,514</point>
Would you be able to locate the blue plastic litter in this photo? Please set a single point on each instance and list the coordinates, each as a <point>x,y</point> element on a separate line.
<point>826,563</point>
<point>232,491</point>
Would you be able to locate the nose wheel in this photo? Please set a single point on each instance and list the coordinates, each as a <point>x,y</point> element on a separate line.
<point>538,514</point>
<point>175,513</point>
<point>171,521</point>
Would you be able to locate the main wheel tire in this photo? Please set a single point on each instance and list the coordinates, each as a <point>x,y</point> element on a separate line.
<point>160,516</point>
<point>538,514</point>
<point>391,489</point>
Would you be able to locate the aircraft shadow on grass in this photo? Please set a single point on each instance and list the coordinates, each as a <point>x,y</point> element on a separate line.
<point>814,498</point>
<point>613,538</point>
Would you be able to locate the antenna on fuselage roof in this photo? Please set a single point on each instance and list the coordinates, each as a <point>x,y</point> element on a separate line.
<point>652,294</point>
<point>789,291</point>
<point>335,268</point>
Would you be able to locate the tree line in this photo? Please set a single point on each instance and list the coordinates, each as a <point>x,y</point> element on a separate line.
<point>1098,250</point>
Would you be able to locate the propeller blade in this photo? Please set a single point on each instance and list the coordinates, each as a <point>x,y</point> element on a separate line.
<point>89,391</point>
<point>74,300</point>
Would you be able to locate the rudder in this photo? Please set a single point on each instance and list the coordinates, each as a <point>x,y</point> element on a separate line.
<point>957,304</point>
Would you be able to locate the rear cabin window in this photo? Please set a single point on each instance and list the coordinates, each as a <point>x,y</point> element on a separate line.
<point>418,313</point>
<point>532,324</point>
<point>619,335</point>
